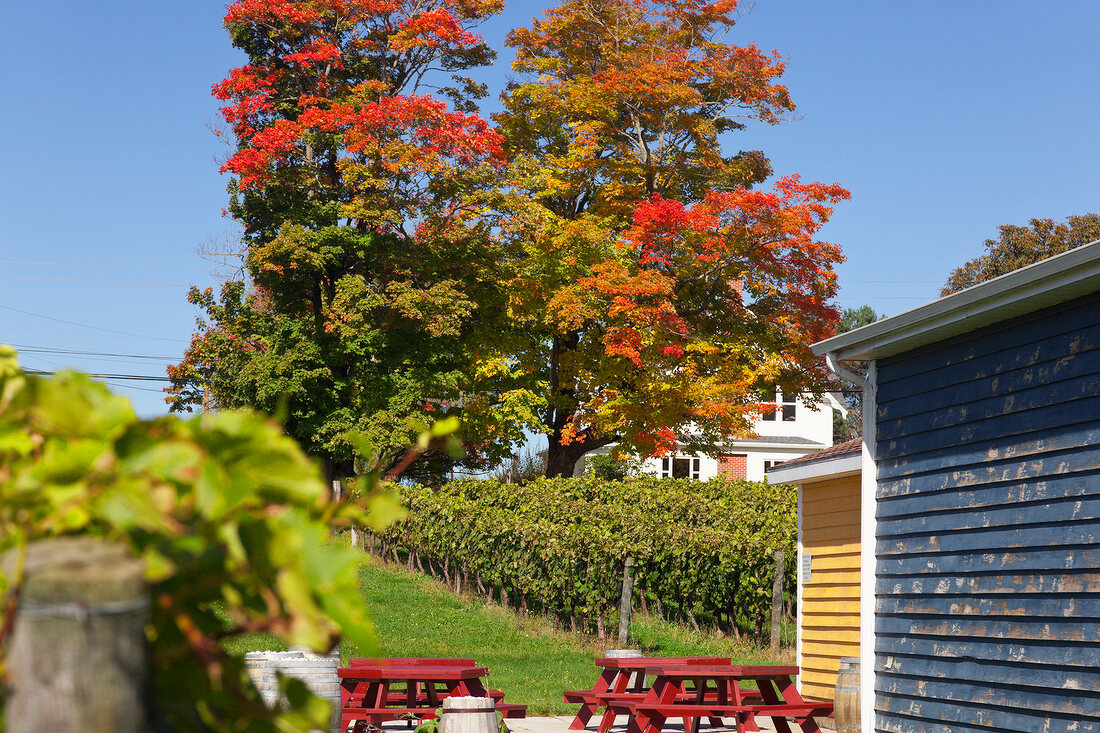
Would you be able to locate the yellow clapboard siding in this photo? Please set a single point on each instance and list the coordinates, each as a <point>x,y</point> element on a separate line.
<point>829,547</point>
<point>848,510</point>
<point>829,608</point>
<point>820,670</point>
<point>830,601</point>
<point>839,634</point>
<point>847,561</point>
<point>834,501</point>
<point>825,649</point>
<point>833,577</point>
<point>817,695</point>
<point>848,591</point>
<point>827,534</point>
<point>817,690</point>
<point>824,679</point>
<point>831,515</point>
<point>846,486</point>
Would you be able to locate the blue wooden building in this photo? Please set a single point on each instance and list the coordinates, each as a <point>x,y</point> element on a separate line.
<point>980,530</point>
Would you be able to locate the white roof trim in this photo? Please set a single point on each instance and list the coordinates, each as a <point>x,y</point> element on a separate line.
<point>1043,284</point>
<point>849,464</point>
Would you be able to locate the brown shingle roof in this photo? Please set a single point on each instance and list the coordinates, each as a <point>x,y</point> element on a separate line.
<point>835,451</point>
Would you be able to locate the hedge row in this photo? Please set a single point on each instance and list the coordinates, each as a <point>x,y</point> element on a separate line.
<point>703,551</point>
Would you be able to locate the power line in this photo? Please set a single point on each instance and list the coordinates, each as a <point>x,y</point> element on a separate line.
<point>24,348</point>
<point>89,282</point>
<point>128,377</point>
<point>94,328</point>
<point>109,267</point>
<point>139,389</point>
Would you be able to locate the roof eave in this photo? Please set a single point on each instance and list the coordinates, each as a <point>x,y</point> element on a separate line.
<point>1043,284</point>
<point>847,465</point>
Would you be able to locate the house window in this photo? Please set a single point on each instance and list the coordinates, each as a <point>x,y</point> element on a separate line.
<point>786,406</point>
<point>680,467</point>
<point>769,464</point>
<point>768,396</point>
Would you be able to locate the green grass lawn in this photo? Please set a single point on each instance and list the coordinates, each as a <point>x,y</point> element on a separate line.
<point>528,659</point>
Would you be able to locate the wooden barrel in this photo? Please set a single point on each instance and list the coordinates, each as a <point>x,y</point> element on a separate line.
<point>318,673</point>
<point>468,715</point>
<point>846,696</point>
<point>254,663</point>
<point>637,681</point>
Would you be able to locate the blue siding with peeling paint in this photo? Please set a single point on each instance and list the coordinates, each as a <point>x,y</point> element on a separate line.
<point>988,532</point>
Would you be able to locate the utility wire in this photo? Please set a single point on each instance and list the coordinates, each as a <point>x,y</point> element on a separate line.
<point>89,282</point>
<point>129,377</point>
<point>94,328</point>
<point>131,386</point>
<point>106,267</point>
<point>27,349</point>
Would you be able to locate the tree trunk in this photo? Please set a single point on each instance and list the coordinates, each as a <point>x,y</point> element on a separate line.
<point>600,630</point>
<point>561,460</point>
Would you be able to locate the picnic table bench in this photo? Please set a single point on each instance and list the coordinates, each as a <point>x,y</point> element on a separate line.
<point>376,691</point>
<point>776,697</point>
<point>621,679</point>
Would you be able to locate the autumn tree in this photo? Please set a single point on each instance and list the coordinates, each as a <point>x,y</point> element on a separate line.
<point>657,289</point>
<point>1018,246</point>
<point>360,177</point>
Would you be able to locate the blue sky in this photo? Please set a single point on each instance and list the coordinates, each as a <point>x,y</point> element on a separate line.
<point>944,119</point>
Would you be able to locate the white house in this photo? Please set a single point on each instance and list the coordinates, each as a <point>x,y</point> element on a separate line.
<point>793,430</point>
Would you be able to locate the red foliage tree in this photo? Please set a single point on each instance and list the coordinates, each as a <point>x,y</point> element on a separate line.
<point>660,291</point>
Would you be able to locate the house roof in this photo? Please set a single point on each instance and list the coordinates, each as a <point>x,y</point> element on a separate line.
<point>842,458</point>
<point>774,440</point>
<point>1043,284</point>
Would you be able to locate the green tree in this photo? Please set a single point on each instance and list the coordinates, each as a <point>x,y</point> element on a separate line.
<point>847,427</point>
<point>1017,247</point>
<point>370,264</point>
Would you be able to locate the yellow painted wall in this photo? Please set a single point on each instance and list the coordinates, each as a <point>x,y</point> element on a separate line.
<point>830,601</point>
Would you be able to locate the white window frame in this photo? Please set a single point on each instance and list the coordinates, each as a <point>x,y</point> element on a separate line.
<point>668,465</point>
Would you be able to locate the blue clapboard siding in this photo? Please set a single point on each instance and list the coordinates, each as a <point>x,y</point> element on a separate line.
<point>987,591</point>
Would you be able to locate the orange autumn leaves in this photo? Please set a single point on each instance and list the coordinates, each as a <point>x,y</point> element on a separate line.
<point>597,264</point>
<point>755,240</point>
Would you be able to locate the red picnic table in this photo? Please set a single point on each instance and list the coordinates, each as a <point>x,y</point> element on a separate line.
<point>374,691</point>
<point>718,694</point>
<point>621,678</point>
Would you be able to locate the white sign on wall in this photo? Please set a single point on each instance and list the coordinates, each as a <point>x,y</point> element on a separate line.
<point>806,566</point>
